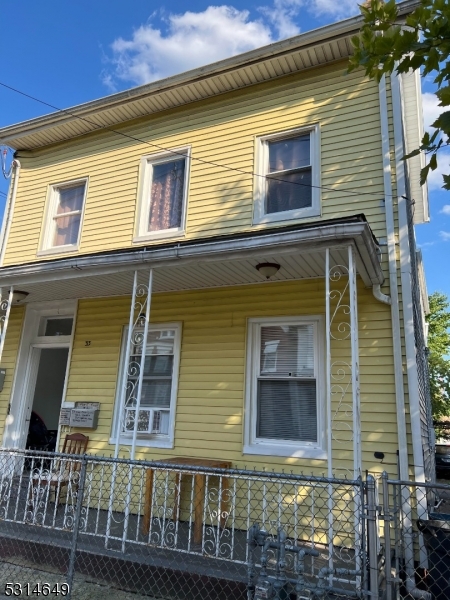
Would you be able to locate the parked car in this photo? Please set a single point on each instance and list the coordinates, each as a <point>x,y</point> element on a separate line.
<point>443,461</point>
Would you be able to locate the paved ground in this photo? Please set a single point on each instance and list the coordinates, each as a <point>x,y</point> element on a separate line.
<point>19,572</point>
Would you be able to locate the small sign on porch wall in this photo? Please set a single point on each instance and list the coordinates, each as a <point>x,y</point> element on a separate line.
<point>64,416</point>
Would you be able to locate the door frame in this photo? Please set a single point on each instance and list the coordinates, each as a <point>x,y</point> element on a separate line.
<point>14,435</point>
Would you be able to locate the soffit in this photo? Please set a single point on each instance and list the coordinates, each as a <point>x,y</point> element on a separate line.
<point>306,51</point>
<point>202,275</point>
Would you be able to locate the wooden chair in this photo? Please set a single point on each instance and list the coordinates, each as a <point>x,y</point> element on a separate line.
<point>65,470</point>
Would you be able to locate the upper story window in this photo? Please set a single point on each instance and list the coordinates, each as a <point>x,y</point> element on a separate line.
<point>289,187</point>
<point>162,195</point>
<point>64,216</point>
<point>284,409</point>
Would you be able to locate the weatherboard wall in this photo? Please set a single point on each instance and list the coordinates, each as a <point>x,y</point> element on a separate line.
<point>221,130</point>
<point>211,387</point>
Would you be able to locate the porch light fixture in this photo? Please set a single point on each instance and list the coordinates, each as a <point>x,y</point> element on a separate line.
<point>18,296</point>
<point>267,269</point>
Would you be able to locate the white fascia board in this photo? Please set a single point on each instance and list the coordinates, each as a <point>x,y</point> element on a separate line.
<point>318,237</point>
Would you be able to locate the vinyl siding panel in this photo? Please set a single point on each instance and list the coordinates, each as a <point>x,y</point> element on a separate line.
<point>211,388</point>
<point>220,130</point>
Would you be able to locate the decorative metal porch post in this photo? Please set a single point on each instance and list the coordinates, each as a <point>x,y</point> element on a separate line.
<point>130,395</point>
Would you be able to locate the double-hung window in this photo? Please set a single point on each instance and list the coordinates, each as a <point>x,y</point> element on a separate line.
<point>156,413</point>
<point>64,216</point>
<point>162,195</point>
<point>287,184</point>
<point>284,388</point>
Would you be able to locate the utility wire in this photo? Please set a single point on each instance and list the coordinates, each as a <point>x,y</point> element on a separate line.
<point>174,152</point>
<point>2,193</point>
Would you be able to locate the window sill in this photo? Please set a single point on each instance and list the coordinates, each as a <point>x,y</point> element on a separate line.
<point>158,235</point>
<point>144,443</point>
<point>58,250</point>
<point>285,450</point>
<point>288,215</point>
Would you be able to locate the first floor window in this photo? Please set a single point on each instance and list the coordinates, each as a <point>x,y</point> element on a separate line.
<point>156,411</point>
<point>163,194</point>
<point>283,385</point>
<point>64,216</point>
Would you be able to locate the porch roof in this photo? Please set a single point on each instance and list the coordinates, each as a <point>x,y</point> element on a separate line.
<point>207,263</point>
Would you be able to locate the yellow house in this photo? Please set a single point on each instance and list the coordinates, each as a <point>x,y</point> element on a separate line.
<point>229,254</point>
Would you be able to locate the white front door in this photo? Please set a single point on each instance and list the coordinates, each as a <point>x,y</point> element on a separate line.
<point>41,376</point>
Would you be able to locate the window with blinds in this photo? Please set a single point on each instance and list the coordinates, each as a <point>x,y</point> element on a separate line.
<point>284,392</point>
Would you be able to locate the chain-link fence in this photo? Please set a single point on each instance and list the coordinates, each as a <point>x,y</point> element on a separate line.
<point>87,526</point>
<point>416,551</point>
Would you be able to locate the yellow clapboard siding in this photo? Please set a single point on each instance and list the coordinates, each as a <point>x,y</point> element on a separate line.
<point>211,388</point>
<point>221,130</point>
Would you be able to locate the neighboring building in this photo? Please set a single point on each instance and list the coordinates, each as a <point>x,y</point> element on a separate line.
<point>275,156</point>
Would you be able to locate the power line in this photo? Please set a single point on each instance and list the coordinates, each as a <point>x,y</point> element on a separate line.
<point>2,193</point>
<point>174,152</point>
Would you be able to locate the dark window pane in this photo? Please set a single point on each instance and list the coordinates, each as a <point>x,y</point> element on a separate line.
<point>166,196</point>
<point>58,327</point>
<point>156,392</point>
<point>292,193</point>
<point>287,410</point>
<point>291,153</point>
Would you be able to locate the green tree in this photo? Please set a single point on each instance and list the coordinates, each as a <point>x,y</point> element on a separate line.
<point>385,45</point>
<point>438,359</point>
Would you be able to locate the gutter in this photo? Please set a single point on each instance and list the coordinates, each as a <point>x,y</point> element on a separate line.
<point>9,208</point>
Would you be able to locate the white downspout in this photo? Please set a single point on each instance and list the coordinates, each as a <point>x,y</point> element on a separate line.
<point>397,348</point>
<point>405,272</point>
<point>395,310</point>
<point>9,209</point>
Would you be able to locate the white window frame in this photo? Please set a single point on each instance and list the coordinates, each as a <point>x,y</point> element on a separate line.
<point>270,447</point>
<point>261,170</point>
<point>48,231</point>
<point>141,234</point>
<point>149,440</point>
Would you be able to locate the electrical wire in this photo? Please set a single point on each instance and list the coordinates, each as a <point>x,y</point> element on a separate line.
<point>174,152</point>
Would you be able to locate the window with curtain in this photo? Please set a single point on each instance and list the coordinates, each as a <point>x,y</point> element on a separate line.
<point>65,212</point>
<point>163,195</point>
<point>289,174</point>
<point>159,383</point>
<point>290,185</point>
<point>284,396</point>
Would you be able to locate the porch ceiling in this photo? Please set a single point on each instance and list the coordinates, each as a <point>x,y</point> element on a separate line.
<point>209,274</point>
<point>300,252</point>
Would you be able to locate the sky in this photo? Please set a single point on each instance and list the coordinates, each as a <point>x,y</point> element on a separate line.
<point>66,53</point>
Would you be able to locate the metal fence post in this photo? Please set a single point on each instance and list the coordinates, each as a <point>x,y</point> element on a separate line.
<point>372,534</point>
<point>387,536</point>
<point>76,524</point>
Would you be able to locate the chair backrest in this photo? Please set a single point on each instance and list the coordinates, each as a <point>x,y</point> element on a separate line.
<point>75,443</point>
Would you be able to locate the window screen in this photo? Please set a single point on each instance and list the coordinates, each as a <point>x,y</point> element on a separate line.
<point>166,196</point>
<point>286,402</point>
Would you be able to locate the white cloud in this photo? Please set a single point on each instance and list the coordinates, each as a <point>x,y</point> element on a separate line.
<point>334,8</point>
<point>445,209</point>
<point>192,39</point>
<point>445,235</point>
<point>434,180</point>
<point>431,110</point>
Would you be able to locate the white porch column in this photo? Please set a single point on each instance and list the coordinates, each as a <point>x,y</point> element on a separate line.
<point>354,337</point>
<point>5,308</point>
